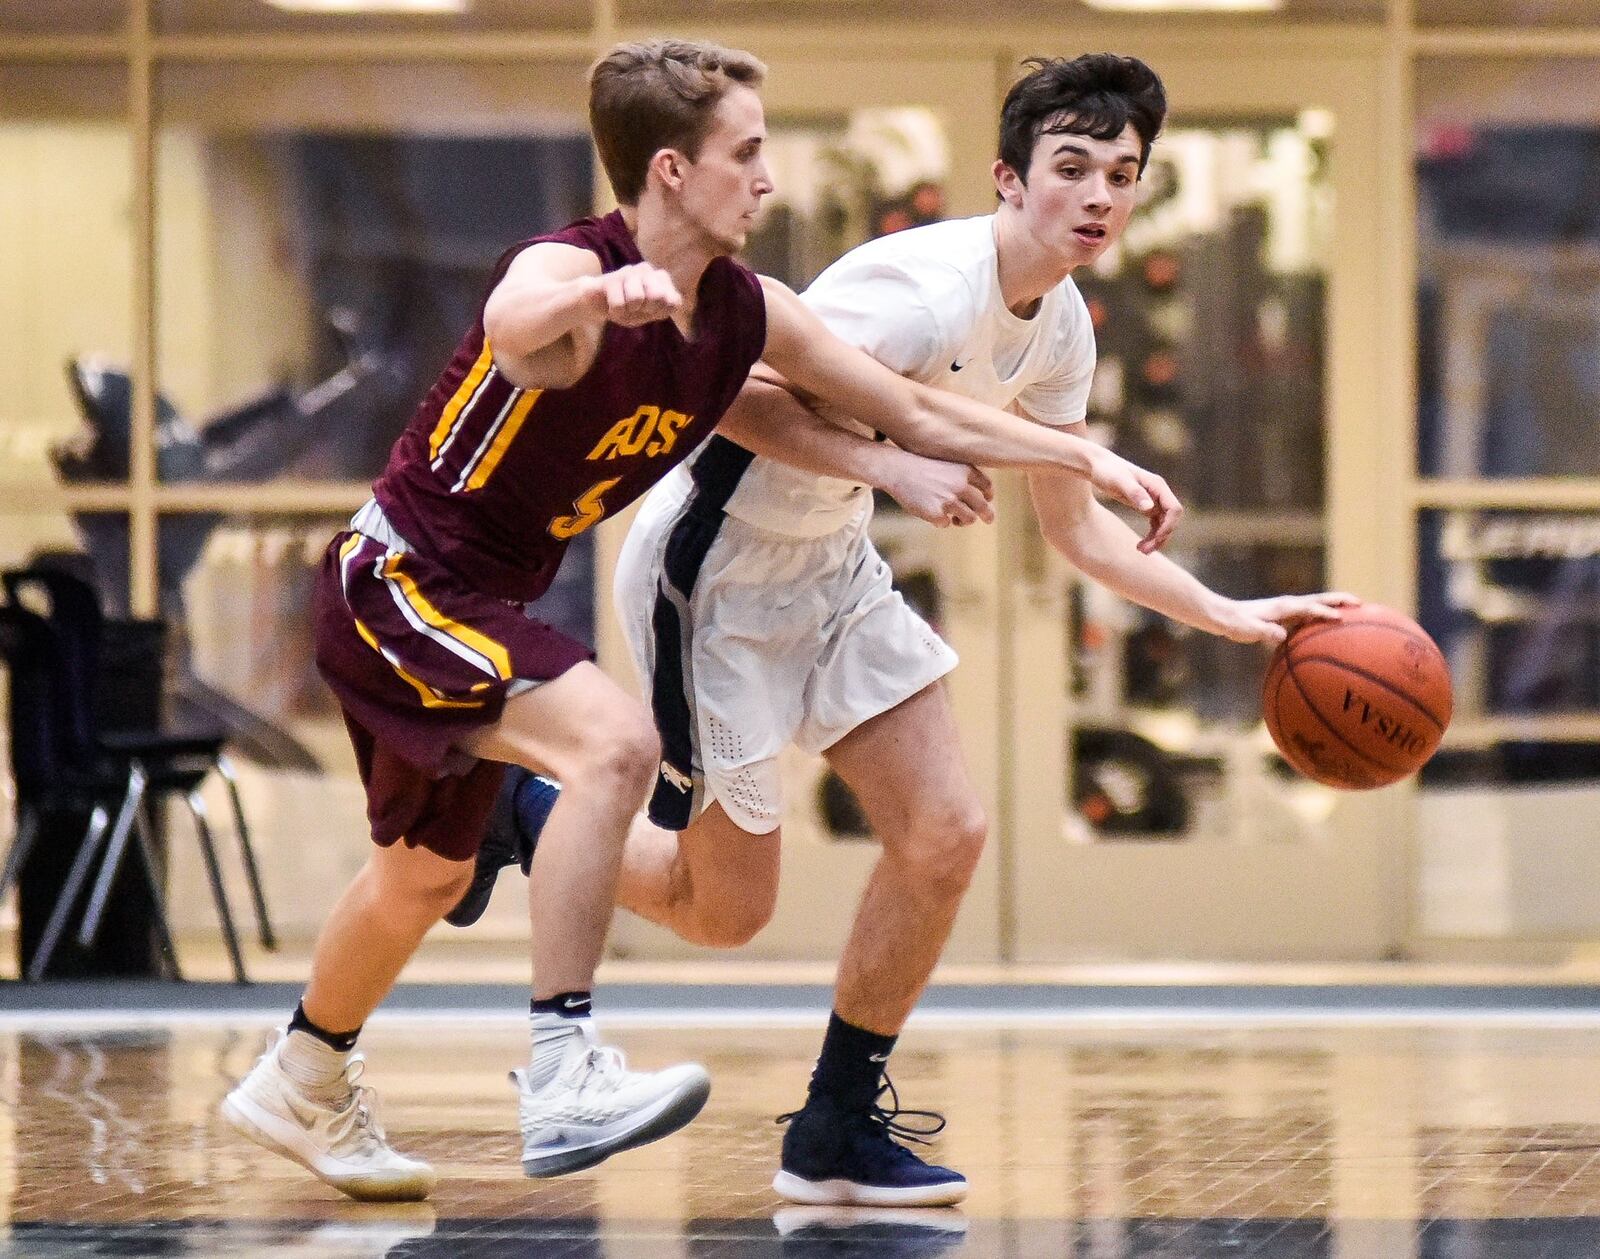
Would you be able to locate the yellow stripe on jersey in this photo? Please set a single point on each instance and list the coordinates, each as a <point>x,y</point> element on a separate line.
<point>479,642</point>
<point>452,409</point>
<point>502,442</point>
<point>430,698</point>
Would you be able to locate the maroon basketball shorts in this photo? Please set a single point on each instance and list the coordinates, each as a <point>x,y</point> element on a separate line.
<point>418,660</point>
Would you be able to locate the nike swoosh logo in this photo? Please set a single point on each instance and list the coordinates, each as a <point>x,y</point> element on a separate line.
<point>574,1003</point>
<point>878,1058</point>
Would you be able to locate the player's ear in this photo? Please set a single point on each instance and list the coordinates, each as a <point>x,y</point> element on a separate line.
<point>668,164</point>
<point>1008,184</point>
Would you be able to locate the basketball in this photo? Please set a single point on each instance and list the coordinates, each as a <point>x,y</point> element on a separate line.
<point>1359,702</point>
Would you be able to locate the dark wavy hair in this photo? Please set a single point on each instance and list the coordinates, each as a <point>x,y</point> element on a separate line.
<point>1095,95</point>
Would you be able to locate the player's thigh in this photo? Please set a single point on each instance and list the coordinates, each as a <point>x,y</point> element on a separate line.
<point>908,771</point>
<point>569,727</point>
<point>732,871</point>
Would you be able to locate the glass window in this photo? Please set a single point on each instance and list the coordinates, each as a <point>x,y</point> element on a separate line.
<point>335,17</point>
<point>1508,165</point>
<point>1167,741</point>
<point>66,257</point>
<point>54,537</point>
<point>1513,598</point>
<point>62,17</point>
<point>1507,12</point>
<point>843,182</point>
<point>325,236</point>
<point>1209,316</point>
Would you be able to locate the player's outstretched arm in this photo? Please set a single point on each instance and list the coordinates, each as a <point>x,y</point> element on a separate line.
<point>944,425</point>
<point>1107,551</point>
<point>545,317</point>
<point>768,419</point>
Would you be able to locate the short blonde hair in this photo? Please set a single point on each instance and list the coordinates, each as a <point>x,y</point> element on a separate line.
<point>660,94</point>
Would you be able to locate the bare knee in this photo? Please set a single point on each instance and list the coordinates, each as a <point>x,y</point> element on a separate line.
<point>941,847</point>
<point>418,879</point>
<point>621,757</point>
<point>731,922</point>
<point>723,881</point>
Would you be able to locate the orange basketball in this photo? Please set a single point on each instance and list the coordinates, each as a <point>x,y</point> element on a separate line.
<point>1360,702</point>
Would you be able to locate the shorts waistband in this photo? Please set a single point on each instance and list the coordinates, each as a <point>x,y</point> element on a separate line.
<point>372,523</point>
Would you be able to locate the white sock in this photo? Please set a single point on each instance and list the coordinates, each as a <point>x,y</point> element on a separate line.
<point>316,1067</point>
<point>551,1035</point>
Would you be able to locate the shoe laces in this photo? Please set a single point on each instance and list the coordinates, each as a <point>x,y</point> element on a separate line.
<point>357,1119</point>
<point>597,1069</point>
<point>890,1120</point>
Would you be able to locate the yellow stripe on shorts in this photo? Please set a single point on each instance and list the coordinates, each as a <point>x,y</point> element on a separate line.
<point>475,640</point>
<point>430,698</point>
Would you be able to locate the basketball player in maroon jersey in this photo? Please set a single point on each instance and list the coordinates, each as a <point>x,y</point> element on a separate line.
<point>604,354</point>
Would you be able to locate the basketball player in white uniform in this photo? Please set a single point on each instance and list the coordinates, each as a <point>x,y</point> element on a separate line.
<point>760,614</point>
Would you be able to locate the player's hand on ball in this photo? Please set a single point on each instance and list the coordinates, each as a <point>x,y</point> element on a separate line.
<point>637,294</point>
<point>938,492</point>
<point>1269,620</point>
<point>1145,492</point>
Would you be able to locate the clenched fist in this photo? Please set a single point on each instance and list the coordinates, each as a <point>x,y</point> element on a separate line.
<point>637,294</point>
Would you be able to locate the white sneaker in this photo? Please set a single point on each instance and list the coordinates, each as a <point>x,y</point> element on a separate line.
<point>595,1107</point>
<point>340,1142</point>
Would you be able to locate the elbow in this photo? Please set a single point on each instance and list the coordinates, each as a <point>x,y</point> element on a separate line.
<point>1074,543</point>
<point>500,326</point>
<point>507,337</point>
<point>518,374</point>
<point>543,371</point>
<point>500,335</point>
<point>1063,542</point>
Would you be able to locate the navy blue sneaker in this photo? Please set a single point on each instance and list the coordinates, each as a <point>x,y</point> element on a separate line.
<point>833,1156</point>
<point>520,810</point>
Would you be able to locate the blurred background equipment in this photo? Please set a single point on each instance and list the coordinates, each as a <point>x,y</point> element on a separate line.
<point>90,756</point>
<point>263,437</point>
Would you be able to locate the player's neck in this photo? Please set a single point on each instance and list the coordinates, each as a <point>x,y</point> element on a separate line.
<point>1027,270</point>
<point>676,246</point>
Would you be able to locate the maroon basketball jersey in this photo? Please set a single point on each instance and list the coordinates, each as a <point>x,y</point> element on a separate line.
<point>493,480</point>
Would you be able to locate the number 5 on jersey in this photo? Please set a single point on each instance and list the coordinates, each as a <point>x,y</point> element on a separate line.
<point>587,509</point>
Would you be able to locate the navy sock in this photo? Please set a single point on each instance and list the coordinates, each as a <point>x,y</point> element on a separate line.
<point>344,1042</point>
<point>569,1005</point>
<point>850,1068</point>
<point>532,799</point>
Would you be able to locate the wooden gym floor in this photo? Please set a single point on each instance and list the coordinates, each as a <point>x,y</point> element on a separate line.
<point>1474,1137</point>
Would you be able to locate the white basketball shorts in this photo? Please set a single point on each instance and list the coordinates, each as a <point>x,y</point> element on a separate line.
<point>747,640</point>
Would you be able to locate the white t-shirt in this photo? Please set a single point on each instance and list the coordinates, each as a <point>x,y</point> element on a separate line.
<point>926,302</point>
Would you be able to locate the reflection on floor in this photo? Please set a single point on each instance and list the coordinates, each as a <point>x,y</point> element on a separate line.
<point>1086,1142</point>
